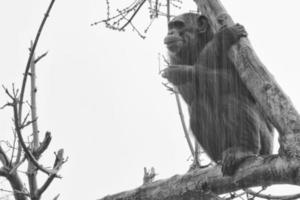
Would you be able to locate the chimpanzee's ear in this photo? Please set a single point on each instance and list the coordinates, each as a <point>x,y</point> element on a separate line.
<point>202,23</point>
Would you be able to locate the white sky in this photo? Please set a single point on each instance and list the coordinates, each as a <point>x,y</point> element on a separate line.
<point>100,94</point>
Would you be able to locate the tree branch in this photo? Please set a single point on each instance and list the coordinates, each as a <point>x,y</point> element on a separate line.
<point>32,50</point>
<point>31,169</point>
<point>18,111</point>
<point>200,182</point>
<point>43,145</point>
<point>3,172</point>
<point>133,15</point>
<point>23,145</point>
<point>59,161</point>
<point>185,130</point>
<point>33,90</point>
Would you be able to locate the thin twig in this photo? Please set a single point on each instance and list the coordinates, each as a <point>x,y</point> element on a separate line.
<point>108,18</point>
<point>56,197</point>
<point>135,12</point>
<point>134,28</point>
<point>13,148</point>
<point>23,124</point>
<point>171,89</point>
<point>17,165</point>
<point>40,57</point>
<point>183,122</point>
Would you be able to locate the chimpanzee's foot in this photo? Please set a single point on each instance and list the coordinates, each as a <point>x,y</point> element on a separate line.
<point>232,158</point>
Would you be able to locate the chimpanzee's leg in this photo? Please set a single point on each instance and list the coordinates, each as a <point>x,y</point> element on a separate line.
<point>241,123</point>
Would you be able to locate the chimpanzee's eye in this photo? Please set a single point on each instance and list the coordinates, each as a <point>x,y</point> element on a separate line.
<point>176,24</point>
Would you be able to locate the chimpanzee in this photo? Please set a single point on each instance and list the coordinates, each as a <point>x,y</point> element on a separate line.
<point>224,117</point>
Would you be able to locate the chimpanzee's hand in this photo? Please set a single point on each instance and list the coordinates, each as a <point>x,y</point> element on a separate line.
<point>238,31</point>
<point>228,36</point>
<point>179,74</point>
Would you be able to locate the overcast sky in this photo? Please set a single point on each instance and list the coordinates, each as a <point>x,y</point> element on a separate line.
<point>100,94</point>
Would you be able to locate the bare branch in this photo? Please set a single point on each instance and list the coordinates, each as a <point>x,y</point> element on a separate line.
<point>8,93</point>
<point>19,154</point>
<point>30,57</point>
<point>59,161</point>
<point>23,124</point>
<point>168,10</point>
<point>17,165</point>
<point>169,88</point>
<point>185,130</point>
<point>3,172</point>
<point>25,148</point>
<point>15,191</point>
<point>128,9</point>
<point>35,131</point>
<point>13,148</point>
<point>44,145</point>
<point>56,197</point>
<point>40,57</point>
<point>135,12</point>
<point>134,28</point>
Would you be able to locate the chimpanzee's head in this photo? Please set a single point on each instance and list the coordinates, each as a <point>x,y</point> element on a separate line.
<point>188,34</point>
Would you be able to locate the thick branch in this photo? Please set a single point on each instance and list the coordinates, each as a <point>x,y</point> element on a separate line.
<point>3,172</point>
<point>260,82</point>
<point>17,186</point>
<point>201,182</point>
<point>32,170</point>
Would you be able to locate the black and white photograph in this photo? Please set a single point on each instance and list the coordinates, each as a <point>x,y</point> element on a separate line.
<point>150,100</point>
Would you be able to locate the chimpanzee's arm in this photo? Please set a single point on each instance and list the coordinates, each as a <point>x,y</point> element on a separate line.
<point>216,50</point>
<point>181,74</point>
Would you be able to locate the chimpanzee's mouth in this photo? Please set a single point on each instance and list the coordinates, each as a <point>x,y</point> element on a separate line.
<point>171,39</point>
